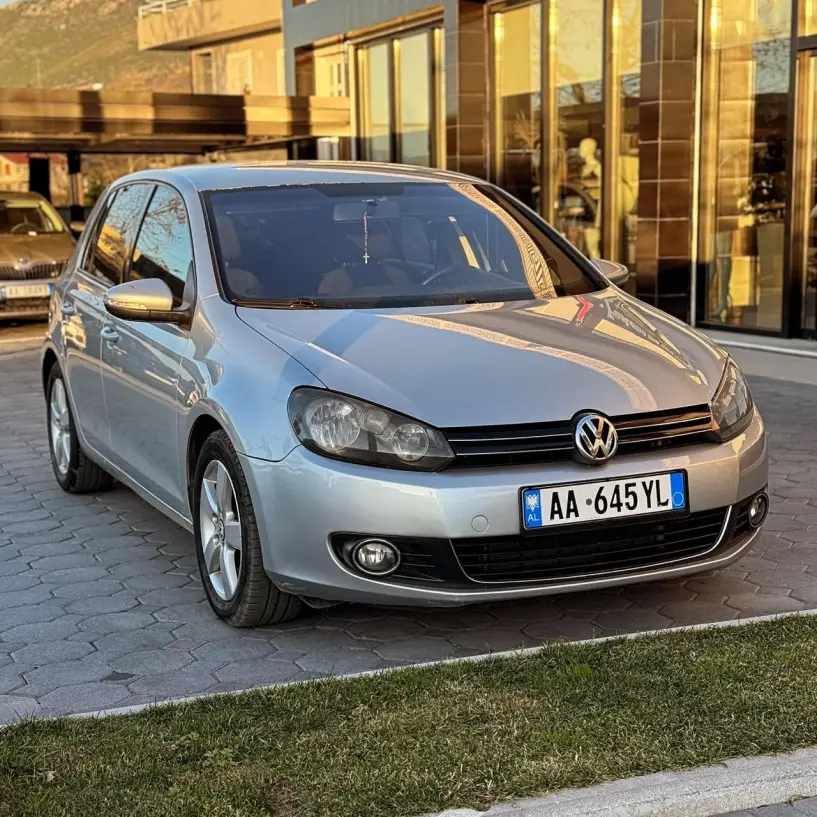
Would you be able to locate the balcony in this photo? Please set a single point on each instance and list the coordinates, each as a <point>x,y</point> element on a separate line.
<point>184,24</point>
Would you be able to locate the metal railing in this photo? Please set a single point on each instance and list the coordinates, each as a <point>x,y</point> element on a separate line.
<point>162,7</point>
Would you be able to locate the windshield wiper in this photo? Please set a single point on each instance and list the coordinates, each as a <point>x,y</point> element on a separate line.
<point>294,303</point>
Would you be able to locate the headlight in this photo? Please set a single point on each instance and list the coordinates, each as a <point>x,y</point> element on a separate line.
<point>349,429</point>
<point>732,404</point>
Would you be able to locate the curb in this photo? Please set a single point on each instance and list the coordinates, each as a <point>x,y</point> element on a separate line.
<point>713,625</point>
<point>735,785</point>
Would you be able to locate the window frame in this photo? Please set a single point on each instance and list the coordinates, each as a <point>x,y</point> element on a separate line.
<point>190,284</point>
<point>88,266</point>
<point>436,107</point>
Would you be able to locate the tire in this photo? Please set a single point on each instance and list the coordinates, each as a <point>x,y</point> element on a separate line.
<point>75,473</point>
<point>237,586</point>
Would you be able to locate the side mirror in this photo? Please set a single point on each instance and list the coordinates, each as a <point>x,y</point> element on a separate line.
<point>77,227</point>
<point>148,299</point>
<point>614,272</point>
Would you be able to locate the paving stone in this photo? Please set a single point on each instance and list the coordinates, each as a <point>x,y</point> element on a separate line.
<point>228,651</point>
<point>258,672</point>
<point>75,574</point>
<point>42,631</point>
<point>20,581</point>
<point>175,599</point>
<point>96,605</point>
<point>190,680</point>
<point>117,622</point>
<point>563,629</point>
<point>151,661</point>
<point>311,640</point>
<point>417,649</point>
<point>492,640</point>
<point>133,640</point>
<point>385,629</point>
<point>85,590</point>
<point>90,697</point>
<point>340,662</point>
<point>51,652</point>
<point>14,708</point>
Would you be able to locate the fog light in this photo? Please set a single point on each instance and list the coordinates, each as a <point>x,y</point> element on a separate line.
<point>375,556</point>
<point>758,510</point>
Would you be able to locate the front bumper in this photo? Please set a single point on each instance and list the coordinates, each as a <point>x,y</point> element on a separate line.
<point>304,500</point>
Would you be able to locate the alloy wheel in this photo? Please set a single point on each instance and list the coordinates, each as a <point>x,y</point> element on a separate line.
<point>220,525</point>
<point>60,424</point>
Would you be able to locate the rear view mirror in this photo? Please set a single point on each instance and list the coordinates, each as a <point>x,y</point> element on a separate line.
<point>148,299</point>
<point>614,272</point>
<point>77,227</point>
<point>375,210</point>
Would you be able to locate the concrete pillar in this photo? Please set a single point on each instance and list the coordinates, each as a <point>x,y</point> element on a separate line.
<point>667,128</point>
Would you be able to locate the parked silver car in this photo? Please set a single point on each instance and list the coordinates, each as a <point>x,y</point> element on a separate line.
<point>390,385</point>
<point>35,245</point>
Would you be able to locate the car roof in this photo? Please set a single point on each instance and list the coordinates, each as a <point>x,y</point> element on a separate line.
<point>275,174</point>
<point>16,194</point>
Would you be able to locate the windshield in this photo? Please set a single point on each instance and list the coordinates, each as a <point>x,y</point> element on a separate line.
<point>377,245</point>
<point>28,217</point>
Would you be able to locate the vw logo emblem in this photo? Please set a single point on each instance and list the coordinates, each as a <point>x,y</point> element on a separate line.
<point>595,438</point>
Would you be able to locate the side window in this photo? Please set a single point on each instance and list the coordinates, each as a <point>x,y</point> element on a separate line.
<point>114,240</point>
<point>92,228</point>
<point>164,248</point>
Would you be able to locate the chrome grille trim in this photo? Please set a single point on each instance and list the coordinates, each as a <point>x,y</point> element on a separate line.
<point>511,445</point>
<point>33,272</point>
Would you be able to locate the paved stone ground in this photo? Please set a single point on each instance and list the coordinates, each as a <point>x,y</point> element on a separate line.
<point>101,606</point>
<point>798,808</point>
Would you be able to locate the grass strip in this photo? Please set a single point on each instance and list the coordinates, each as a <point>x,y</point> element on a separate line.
<point>427,739</point>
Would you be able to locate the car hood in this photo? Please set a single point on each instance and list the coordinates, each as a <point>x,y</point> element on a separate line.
<point>497,364</point>
<point>55,247</point>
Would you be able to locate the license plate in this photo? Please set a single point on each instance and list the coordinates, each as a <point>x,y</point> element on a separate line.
<point>607,499</point>
<point>25,291</point>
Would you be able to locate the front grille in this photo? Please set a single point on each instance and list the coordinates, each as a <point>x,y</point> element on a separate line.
<point>35,272</point>
<point>549,442</point>
<point>570,553</point>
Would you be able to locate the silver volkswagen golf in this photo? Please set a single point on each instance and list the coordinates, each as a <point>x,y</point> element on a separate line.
<point>385,384</point>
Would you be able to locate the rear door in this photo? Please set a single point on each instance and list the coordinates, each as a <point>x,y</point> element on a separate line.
<point>141,360</point>
<point>83,309</point>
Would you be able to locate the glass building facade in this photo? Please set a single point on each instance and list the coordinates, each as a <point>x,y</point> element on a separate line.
<point>675,136</point>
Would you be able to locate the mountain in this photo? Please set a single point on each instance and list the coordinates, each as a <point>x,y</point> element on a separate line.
<point>77,43</point>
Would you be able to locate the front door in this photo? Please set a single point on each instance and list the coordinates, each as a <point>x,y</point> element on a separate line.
<point>83,310</point>
<point>141,361</point>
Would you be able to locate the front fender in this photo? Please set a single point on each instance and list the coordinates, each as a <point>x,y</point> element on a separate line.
<point>237,377</point>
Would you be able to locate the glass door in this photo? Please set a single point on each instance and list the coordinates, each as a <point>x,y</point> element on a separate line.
<point>804,295</point>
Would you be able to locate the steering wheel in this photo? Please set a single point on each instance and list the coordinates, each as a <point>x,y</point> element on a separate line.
<point>23,226</point>
<point>446,270</point>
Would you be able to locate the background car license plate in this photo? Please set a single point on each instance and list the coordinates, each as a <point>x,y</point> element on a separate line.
<point>608,499</point>
<point>26,291</point>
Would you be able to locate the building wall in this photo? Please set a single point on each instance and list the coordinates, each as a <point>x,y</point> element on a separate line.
<point>253,61</point>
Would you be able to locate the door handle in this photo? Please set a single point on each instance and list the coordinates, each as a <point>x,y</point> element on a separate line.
<point>109,334</point>
<point>67,309</point>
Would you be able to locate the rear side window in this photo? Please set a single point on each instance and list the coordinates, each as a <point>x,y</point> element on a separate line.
<point>164,248</point>
<point>114,240</point>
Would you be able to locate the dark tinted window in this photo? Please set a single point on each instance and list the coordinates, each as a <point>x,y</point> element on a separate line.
<point>164,248</point>
<point>415,244</point>
<point>115,238</point>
